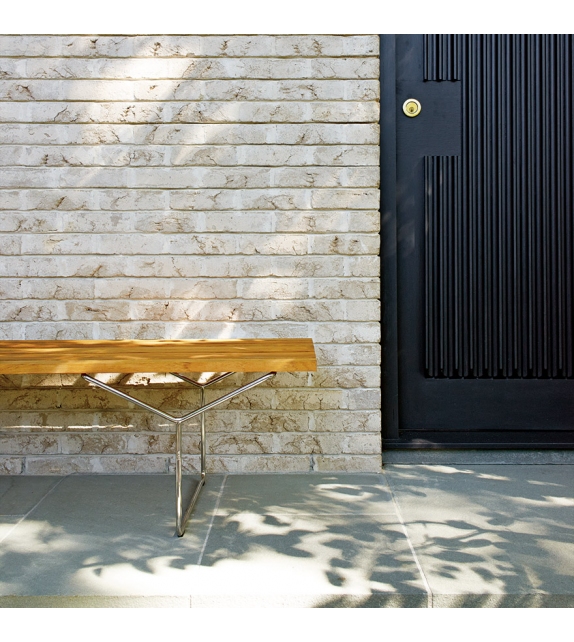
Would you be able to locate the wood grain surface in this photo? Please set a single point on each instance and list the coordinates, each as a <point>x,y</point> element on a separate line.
<point>123,356</point>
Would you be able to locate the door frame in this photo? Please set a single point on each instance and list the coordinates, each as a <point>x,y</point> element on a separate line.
<point>388,166</point>
<point>391,437</point>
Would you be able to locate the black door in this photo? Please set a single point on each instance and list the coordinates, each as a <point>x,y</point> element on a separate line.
<point>483,254</point>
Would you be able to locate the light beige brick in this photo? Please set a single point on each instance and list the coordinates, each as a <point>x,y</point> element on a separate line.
<point>309,46</point>
<point>346,377</point>
<point>26,310</point>
<point>349,443</point>
<point>207,199</point>
<point>238,46</point>
<point>22,46</point>
<point>310,310</point>
<point>95,46</point>
<point>275,199</point>
<point>346,288</point>
<point>276,155</point>
<point>54,331</point>
<point>57,199</point>
<point>325,134</point>
<point>345,244</point>
<point>127,200</point>
<point>30,222</point>
<point>207,155</point>
<point>11,465</point>
<point>363,266</point>
<point>263,421</point>
<point>11,200</point>
<point>239,222</point>
<point>277,244</point>
<point>364,399</point>
<point>356,421</point>
<point>363,310</point>
<point>273,288</point>
<point>73,90</point>
<point>134,330</point>
<point>354,199</point>
<point>315,46</point>
<point>246,112</point>
<point>364,221</point>
<point>94,310</point>
<point>314,221</point>
<point>10,244</point>
<point>11,331</point>
<point>241,443</point>
<point>22,444</point>
<point>165,221</point>
<point>93,156</point>
<point>192,187</point>
<point>230,330</point>
<point>227,178</point>
<point>57,244</point>
<point>346,155</point>
<point>58,288</point>
<point>198,90</point>
<point>352,354</point>
<point>310,399</point>
<point>90,464</point>
<point>11,289</point>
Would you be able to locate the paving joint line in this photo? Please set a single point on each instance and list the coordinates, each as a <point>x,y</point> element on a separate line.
<point>411,546</point>
<point>213,515</point>
<point>23,517</point>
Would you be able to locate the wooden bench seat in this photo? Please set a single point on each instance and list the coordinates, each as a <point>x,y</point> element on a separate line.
<point>223,357</point>
<point>77,357</point>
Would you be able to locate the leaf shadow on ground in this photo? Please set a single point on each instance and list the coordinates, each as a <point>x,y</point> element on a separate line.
<point>483,539</point>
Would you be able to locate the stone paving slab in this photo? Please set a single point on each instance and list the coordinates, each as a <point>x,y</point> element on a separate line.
<point>307,494</point>
<point>90,524</point>
<point>442,536</point>
<point>20,494</point>
<point>490,535</point>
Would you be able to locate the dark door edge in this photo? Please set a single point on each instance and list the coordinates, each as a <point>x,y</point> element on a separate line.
<point>483,440</point>
<point>388,165</point>
<point>479,457</point>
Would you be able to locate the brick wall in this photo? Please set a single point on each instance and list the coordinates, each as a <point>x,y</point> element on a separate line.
<point>191,187</point>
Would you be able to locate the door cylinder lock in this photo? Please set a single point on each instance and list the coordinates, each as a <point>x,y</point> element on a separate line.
<point>411,107</point>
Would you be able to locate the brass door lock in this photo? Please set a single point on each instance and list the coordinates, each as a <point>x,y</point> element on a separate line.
<point>411,107</point>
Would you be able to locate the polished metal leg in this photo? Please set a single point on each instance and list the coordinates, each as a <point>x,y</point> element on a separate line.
<point>181,517</point>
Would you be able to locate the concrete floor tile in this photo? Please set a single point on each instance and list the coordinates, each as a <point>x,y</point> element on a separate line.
<point>19,494</point>
<point>93,601</point>
<point>94,527</point>
<point>321,555</point>
<point>485,536</point>
<point>7,524</point>
<point>484,530</point>
<point>307,494</point>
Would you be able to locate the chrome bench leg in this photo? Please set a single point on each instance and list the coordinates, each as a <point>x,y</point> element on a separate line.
<point>181,517</point>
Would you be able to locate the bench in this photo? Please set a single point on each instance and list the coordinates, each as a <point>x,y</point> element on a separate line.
<point>224,357</point>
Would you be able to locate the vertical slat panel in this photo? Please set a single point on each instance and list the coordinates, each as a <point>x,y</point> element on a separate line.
<point>473,156</point>
<point>568,205</point>
<point>532,157</point>
<point>441,201</point>
<point>465,190</point>
<point>499,239</point>
<point>441,57</point>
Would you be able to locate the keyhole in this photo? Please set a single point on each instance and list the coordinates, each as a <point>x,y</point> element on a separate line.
<point>411,107</point>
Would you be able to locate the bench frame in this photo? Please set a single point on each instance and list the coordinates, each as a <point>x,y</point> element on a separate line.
<point>181,517</point>
<point>215,357</point>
